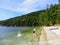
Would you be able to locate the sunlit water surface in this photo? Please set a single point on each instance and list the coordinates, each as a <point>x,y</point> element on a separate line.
<point>8,36</point>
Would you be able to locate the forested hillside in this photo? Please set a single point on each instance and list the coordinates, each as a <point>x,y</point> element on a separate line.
<point>30,19</point>
<point>51,16</point>
<point>47,17</point>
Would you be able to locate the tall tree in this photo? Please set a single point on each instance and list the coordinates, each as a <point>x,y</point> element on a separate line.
<point>48,14</point>
<point>59,1</point>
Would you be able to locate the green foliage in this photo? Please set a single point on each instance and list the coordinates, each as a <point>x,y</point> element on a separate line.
<point>47,17</point>
<point>51,16</point>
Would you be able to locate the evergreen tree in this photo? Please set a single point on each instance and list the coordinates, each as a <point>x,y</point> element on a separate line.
<point>59,1</point>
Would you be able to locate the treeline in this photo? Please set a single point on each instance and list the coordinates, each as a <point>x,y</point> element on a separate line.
<point>30,19</point>
<point>51,16</point>
<point>47,17</point>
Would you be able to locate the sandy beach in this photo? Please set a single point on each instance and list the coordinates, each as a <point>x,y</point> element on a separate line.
<point>50,35</point>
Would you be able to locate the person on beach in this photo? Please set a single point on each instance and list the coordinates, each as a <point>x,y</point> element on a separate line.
<point>35,37</point>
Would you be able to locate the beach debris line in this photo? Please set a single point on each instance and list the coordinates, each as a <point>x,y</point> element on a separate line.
<point>36,35</point>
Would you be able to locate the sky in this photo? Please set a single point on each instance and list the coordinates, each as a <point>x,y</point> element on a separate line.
<point>13,8</point>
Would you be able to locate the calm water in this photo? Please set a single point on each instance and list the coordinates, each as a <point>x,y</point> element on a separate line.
<point>8,35</point>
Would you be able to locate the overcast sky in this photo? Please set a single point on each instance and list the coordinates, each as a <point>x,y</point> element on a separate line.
<point>13,8</point>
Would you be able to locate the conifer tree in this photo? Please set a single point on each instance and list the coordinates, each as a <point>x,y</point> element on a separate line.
<point>59,1</point>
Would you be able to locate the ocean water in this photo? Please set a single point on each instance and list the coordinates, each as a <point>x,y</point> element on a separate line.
<point>8,36</point>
